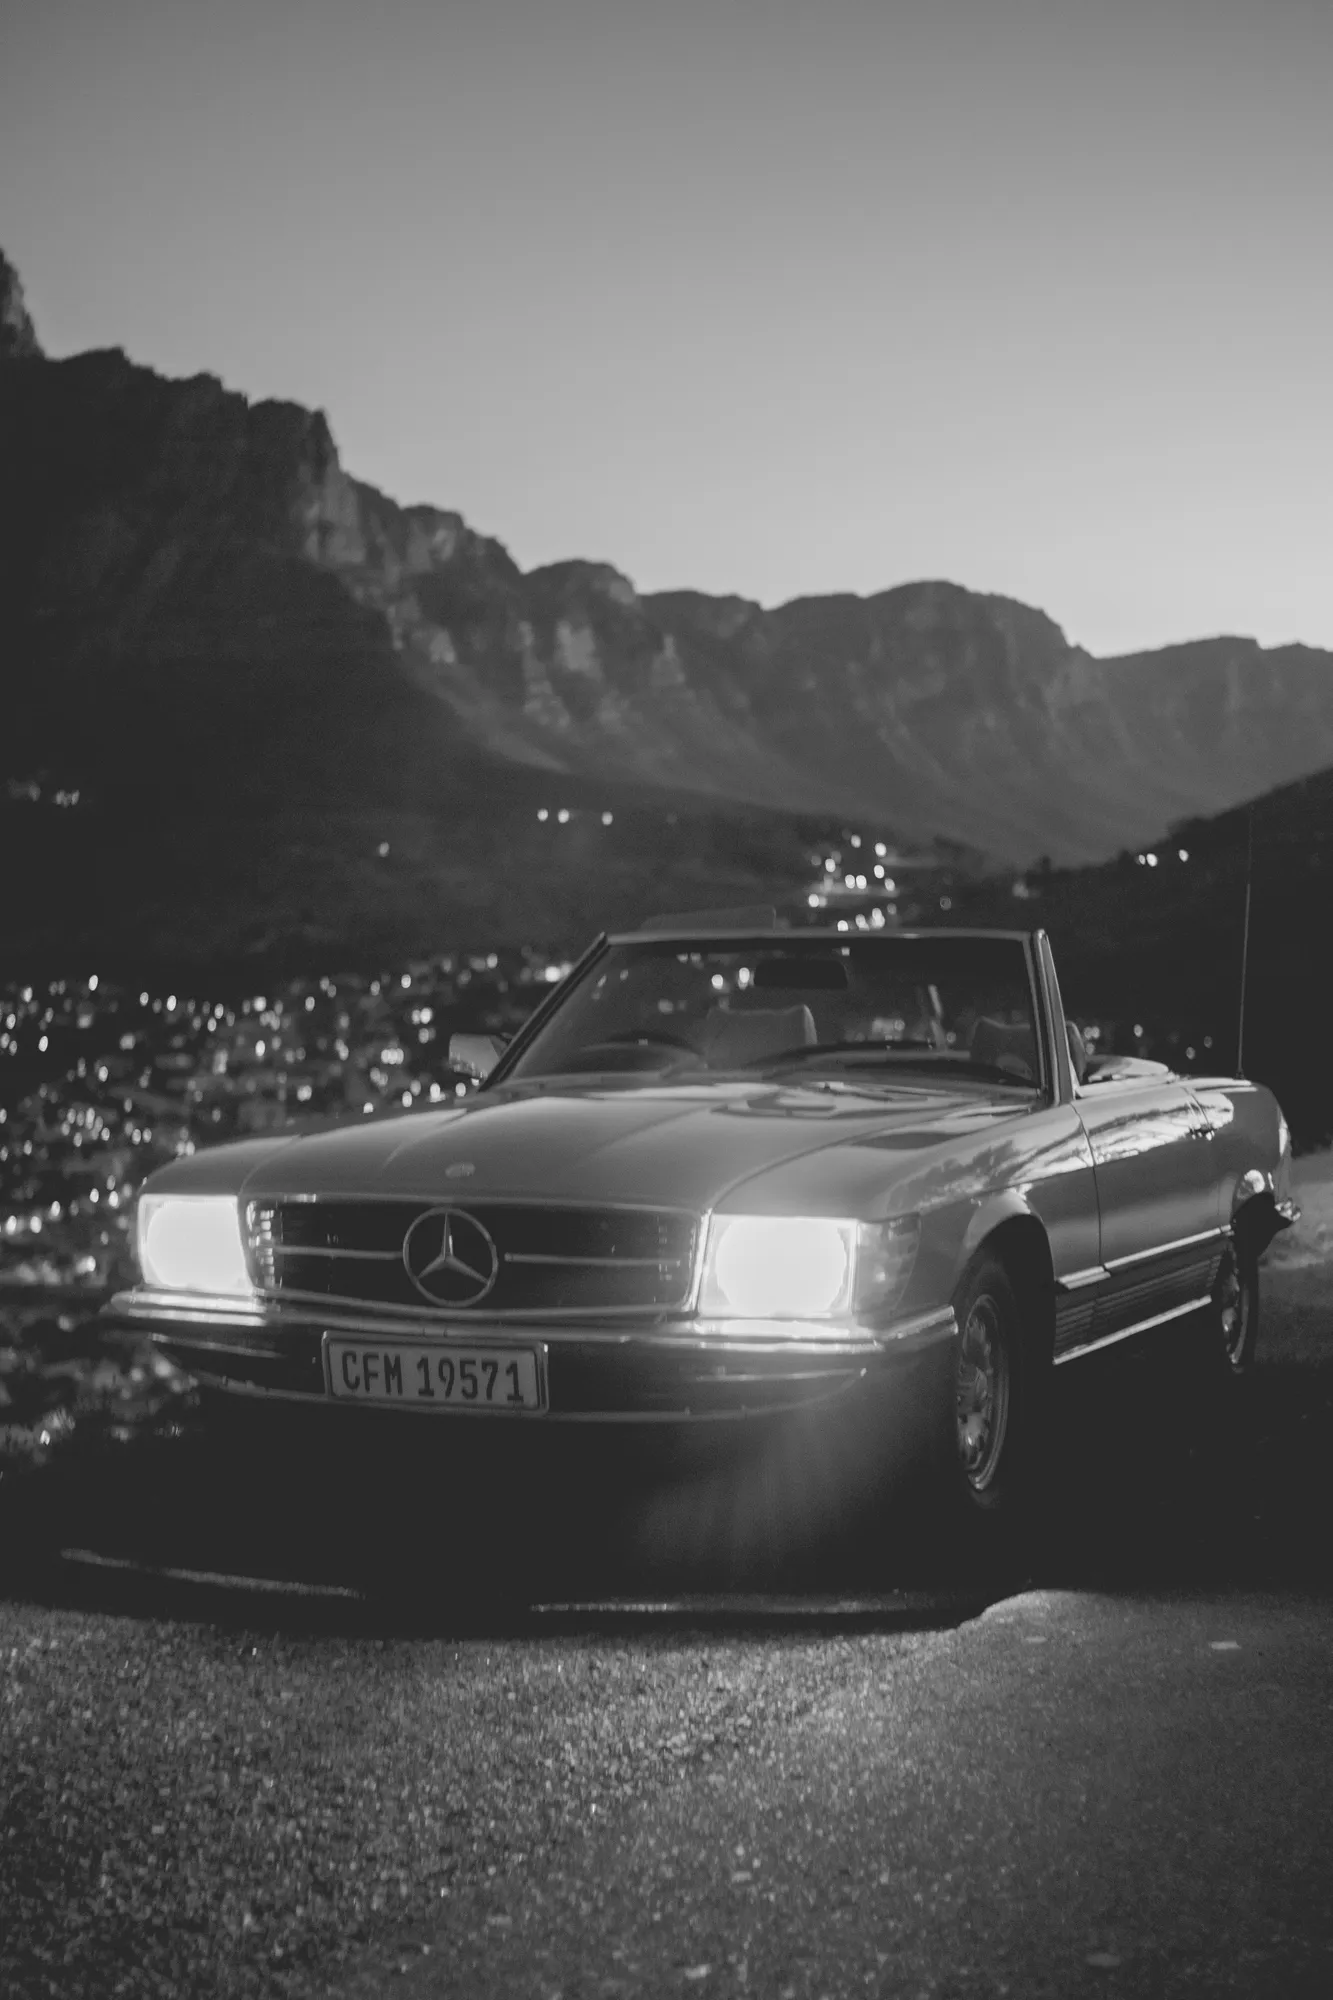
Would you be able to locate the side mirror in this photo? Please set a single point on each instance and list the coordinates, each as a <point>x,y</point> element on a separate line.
<point>475,1055</point>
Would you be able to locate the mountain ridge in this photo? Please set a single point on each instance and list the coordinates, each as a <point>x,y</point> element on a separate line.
<point>203,614</point>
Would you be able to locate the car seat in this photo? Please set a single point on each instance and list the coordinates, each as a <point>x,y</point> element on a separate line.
<point>1011,1047</point>
<point>730,1039</point>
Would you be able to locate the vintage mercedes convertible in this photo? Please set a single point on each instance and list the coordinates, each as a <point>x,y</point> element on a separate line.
<point>727,1171</point>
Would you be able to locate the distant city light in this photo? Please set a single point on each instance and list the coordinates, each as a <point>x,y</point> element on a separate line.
<point>1184,853</point>
<point>880,849</point>
<point>607,818</point>
<point>383,850</point>
<point>563,814</point>
<point>92,977</point>
<point>542,813</point>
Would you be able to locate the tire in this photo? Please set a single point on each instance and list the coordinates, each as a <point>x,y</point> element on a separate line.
<point>1234,1312</point>
<point>993,1413</point>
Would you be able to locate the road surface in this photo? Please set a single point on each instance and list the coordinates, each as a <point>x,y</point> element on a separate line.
<point>1107,1772</point>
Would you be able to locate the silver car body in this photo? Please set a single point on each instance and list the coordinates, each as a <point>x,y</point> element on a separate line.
<point>1110,1200</point>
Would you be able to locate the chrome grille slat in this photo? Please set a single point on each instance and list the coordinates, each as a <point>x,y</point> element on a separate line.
<point>587,1263</point>
<point>323,1250</point>
<point>558,1258</point>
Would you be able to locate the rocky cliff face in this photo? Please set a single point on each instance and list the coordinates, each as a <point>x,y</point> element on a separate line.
<point>18,338</point>
<point>199,607</point>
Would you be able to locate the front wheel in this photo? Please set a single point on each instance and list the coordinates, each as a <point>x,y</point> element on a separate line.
<point>993,1405</point>
<point>1235,1308</point>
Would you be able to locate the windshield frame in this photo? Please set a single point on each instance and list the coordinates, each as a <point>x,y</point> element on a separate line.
<point>805,938</point>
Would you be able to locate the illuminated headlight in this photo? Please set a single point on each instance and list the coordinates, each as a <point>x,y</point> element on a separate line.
<point>805,1267</point>
<point>192,1243</point>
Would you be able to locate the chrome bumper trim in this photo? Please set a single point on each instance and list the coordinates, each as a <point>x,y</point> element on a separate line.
<point>206,1322</point>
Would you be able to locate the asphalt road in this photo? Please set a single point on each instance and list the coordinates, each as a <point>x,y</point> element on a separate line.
<point>1103,1767</point>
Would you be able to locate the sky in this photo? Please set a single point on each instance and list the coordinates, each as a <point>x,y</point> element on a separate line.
<point>738,295</point>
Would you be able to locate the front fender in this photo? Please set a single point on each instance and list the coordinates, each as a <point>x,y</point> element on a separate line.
<point>990,1214</point>
<point>1259,1212</point>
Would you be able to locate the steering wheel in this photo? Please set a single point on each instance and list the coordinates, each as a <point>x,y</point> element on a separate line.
<point>648,1038</point>
<point>635,1049</point>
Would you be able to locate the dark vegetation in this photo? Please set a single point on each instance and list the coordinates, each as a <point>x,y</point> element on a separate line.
<point>1159,947</point>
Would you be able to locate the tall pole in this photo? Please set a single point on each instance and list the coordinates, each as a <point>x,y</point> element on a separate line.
<point>1245,940</point>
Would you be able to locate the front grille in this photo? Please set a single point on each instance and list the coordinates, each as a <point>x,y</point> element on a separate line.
<point>549,1257</point>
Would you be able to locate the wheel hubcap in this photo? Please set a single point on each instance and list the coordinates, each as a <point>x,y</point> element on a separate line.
<point>983,1392</point>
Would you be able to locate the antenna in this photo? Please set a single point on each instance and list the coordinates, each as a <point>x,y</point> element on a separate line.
<point>1245,940</point>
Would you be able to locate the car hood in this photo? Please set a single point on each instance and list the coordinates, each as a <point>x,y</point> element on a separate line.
<point>670,1146</point>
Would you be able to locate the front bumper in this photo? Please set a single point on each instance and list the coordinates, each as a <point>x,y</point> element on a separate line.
<point>671,1370</point>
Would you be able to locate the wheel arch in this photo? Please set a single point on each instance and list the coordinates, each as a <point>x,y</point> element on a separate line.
<point>1256,1217</point>
<point>1017,1239</point>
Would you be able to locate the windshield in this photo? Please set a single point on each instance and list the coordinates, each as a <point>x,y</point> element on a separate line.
<point>885,1005</point>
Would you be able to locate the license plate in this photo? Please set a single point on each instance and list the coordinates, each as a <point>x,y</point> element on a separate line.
<point>423,1375</point>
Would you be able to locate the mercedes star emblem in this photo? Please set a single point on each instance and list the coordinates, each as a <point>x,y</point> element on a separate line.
<point>450,1258</point>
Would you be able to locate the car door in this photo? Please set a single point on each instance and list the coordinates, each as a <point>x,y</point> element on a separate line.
<point>1154,1166</point>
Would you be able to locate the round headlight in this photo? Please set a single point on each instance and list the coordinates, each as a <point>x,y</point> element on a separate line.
<point>779,1266</point>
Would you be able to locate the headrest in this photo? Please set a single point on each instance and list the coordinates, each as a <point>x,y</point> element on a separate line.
<point>743,1038</point>
<point>1010,1048</point>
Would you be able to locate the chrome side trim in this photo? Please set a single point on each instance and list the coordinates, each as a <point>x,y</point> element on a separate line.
<point>1078,1281</point>
<point>1165,1249</point>
<point>1139,1326</point>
